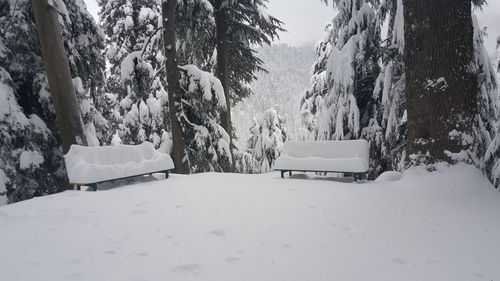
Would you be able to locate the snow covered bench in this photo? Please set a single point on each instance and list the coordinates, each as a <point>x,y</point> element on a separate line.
<point>348,157</point>
<point>93,165</point>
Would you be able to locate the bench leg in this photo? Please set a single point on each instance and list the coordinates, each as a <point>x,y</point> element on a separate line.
<point>359,177</point>
<point>289,173</point>
<point>166,175</point>
<point>78,187</point>
<point>93,186</point>
<point>282,174</point>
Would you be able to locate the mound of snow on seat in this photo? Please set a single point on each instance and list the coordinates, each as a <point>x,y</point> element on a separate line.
<point>389,176</point>
<point>97,164</point>
<point>328,156</point>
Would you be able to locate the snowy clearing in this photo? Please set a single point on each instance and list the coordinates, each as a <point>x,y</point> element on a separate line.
<point>438,226</point>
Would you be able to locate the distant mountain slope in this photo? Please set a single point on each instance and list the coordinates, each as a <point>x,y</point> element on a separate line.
<point>281,88</point>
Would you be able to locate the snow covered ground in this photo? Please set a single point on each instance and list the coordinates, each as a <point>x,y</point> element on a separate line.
<point>438,226</point>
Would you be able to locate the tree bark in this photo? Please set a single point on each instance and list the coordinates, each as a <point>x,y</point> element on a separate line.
<point>59,76</point>
<point>222,74</point>
<point>174,96</point>
<point>440,84</point>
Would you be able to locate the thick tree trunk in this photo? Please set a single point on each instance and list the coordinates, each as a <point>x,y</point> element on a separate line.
<point>222,74</point>
<point>174,97</point>
<point>56,65</point>
<point>440,84</point>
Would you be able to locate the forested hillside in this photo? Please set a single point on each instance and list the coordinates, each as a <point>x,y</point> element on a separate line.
<point>280,88</point>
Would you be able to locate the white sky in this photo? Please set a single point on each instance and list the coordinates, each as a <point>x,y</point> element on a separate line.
<point>305,19</point>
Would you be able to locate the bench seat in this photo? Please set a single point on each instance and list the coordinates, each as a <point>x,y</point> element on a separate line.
<point>92,165</point>
<point>346,157</point>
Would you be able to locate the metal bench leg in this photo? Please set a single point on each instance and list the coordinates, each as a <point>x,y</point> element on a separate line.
<point>166,175</point>
<point>282,174</point>
<point>289,173</point>
<point>78,187</point>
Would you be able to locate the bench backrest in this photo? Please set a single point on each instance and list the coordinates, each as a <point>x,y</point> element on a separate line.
<point>327,149</point>
<point>110,155</point>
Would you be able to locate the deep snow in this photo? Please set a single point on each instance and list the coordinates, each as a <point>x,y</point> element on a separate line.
<point>427,226</point>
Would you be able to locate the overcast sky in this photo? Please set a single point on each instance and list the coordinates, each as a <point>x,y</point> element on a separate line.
<point>305,19</point>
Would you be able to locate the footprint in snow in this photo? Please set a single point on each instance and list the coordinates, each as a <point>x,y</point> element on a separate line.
<point>233,259</point>
<point>187,269</point>
<point>399,261</point>
<point>73,261</point>
<point>74,276</point>
<point>218,232</point>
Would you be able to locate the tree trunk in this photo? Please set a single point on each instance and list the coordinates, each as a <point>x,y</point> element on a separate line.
<point>59,75</point>
<point>174,97</point>
<point>222,74</point>
<point>440,84</point>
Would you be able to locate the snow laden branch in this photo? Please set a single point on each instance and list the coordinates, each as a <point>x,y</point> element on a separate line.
<point>202,100</point>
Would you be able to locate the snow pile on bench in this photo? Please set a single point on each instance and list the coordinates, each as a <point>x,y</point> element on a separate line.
<point>103,163</point>
<point>325,156</point>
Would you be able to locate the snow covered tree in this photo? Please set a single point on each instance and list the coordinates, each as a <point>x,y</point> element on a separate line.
<point>56,63</point>
<point>340,103</point>
<point>485,152</point>
<point>36,140</point>
<point>496,56</point>
<point>240,25</point>
<point>30,159</point>
<point>386,110</point>
<point>200,96</point>
<point>207,143</point>
<point>266,142</point>
<point>388,123</point>
<point>136,78</point>
<point>168,9</point>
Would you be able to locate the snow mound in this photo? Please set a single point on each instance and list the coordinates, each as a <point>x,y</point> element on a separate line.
<point>428,226</point>
<point>389,176</point>
<point>97,164</point>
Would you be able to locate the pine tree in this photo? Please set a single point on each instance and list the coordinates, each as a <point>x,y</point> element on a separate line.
<point>203,97</point>
<point>341,103</point>
<point>239,26</point>
<point>266,142</point>
<point>136,80</point>
<point>485,152</point>
<point>174,88</point>
<point>207,143</point>
<point>56,63</point>
<point>30,130</point>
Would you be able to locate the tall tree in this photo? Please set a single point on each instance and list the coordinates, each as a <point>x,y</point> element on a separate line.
<point>59,75</point>
<point>240,25</point>
<point>441,87</point>
<point>222,73</point>
<point>136,76</point>
<point>30,154</point>
<point>168,9</point>
<point>343,101</point>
